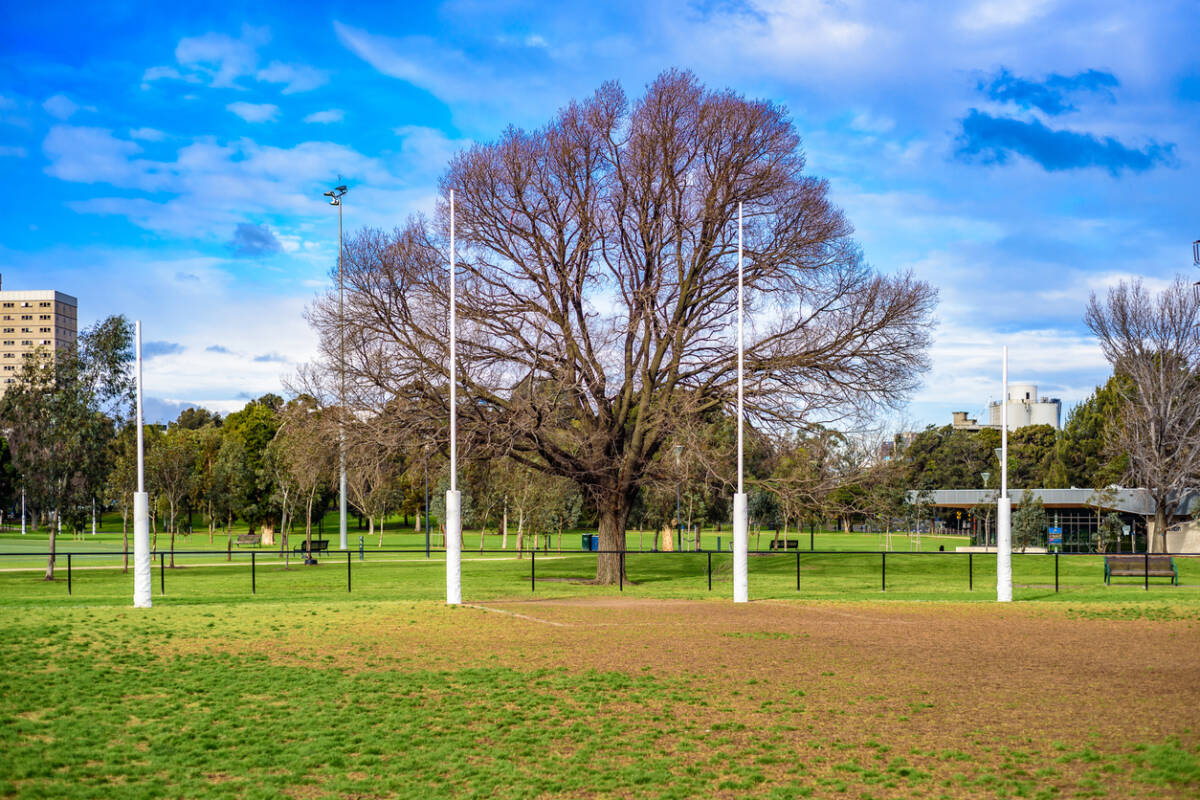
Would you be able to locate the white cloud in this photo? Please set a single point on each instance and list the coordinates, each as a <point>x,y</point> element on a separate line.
<point>60,106</point>
<point>326,117</point>
<point>220,57</point>
<point>428,149</point>
<point>147,134</point>
<point>989,14</point>
<point>210,187</point>
<point>298,77</point>
<point>423,62</point>
<point>164,291</point>
<point>254,112</point>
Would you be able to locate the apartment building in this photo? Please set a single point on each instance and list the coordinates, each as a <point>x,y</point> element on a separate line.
<point>33,319</point>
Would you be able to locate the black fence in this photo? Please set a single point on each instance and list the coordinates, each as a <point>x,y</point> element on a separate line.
<point>1150,564</point>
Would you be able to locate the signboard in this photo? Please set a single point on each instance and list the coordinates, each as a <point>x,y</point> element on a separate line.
<point>1055,536</point>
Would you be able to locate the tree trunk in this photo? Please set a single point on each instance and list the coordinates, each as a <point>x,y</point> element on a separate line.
<point>504,529</point>
<point>381,519</point>
<point>53,545</point>
<point>1157,543</point>
<point>521,533</point>
<point>614,512</point>
<point>154,532</point>
<point>172,547</point>
<point>125,550</point>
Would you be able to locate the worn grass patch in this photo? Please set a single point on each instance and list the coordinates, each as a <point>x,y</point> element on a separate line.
<point>585,697</point>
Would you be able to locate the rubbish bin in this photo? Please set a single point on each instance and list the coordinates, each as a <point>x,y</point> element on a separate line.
<point>595,543</point>
<point>586,544</point>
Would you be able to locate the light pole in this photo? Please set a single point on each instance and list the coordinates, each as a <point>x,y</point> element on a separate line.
<point>678,519</point>
<point>1003,504</point>
<point>335,196</point>
<point>427,501</point>
<point>453,521</point>
<point>741,585</point>
<point>141,501</point>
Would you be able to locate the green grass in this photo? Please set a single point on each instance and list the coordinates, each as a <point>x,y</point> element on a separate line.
<point>206,578</point>
<point>265,700</point>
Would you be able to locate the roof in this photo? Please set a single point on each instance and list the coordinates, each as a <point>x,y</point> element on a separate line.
<point>1132,501</point>
<point>39,294</point>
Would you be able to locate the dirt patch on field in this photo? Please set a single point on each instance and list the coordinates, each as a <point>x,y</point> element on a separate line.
<point>974,701</point>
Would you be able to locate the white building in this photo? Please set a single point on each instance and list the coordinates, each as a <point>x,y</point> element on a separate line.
<point>1026,408</point>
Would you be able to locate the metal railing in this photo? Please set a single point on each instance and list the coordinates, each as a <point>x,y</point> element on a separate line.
<point>254,557</point>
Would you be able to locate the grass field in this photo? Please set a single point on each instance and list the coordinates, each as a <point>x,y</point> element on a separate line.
<point>600,697</point>
<point>564,689</point>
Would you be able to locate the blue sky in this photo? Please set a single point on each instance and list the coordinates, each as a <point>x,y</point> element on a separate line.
<point>167,161</point>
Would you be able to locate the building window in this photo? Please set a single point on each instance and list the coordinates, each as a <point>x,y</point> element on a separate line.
<point>10,355</point>
<point>9,330</point>
<point>26,330</point>
<point>44,316</point>
<point>8,305</point>
<point>44,305</point>
<point>27,316</point>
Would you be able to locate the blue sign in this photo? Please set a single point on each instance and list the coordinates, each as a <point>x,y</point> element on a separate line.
<point>1055,537</point>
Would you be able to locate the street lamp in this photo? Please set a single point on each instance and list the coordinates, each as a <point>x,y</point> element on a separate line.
<point>335,196</point>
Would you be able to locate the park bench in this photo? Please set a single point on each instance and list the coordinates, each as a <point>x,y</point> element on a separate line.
<point>249,538</point>
<point>1134,566</point>
<point>318,546</point>
<point>785,544</point>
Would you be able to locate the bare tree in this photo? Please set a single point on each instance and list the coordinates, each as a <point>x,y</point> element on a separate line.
<point>597,270</point>
<point>1154,340</point>
<point>307,444</point>
<point>171,470</point>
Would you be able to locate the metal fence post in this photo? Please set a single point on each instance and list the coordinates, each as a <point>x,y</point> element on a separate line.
<point>532,571</point>
<point>710,572</point>
<point>347,570</point>
<point>253,577</point>
<point>797,569</point>
<point>621,577</point>
<point>1147,565</point>
<point>68,573</point>
<point>883,576</point>
<point>1056,572</point>
<point>970,572</point>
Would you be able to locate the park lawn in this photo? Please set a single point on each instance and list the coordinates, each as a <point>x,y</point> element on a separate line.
<point>200,578</point>
<point>599,696</point>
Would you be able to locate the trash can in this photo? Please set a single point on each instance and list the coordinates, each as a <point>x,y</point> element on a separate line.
<point>595,543</point>
<point>586,544</point>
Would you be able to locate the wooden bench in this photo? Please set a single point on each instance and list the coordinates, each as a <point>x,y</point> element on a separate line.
<point>249,538</point>
<point>1134,566</point>
<point>785,544</point>
<point>318,546</point>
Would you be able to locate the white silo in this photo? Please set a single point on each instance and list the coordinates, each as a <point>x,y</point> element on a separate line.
<point>1047,411</point>
<point>1022,393</point>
